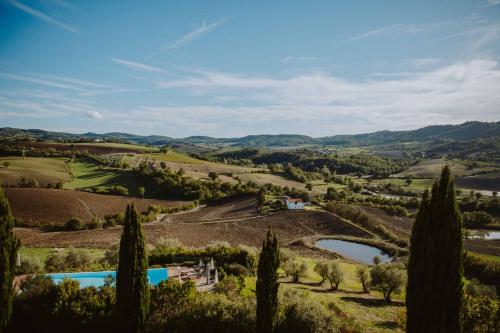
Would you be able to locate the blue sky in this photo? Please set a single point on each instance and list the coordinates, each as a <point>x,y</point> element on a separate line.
<point>232,68</point>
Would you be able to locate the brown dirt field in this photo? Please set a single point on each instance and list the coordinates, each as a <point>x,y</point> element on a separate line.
<point>232,209</point>
<point>55,206</point>
<point>491,247</point>
<point>288,225</point>
<point>91,148</point>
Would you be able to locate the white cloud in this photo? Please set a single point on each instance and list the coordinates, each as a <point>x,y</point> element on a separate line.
<point>33,12</point>
<point>196,33</point>
<point>494,2</point>
<point>94,114</point>
<point>137,65</point>
<point>315,103</point>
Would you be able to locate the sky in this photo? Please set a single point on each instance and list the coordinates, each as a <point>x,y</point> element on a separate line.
<point>235,68</point>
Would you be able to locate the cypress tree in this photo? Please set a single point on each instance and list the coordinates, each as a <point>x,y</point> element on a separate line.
<point>435,268</point>
<point>9,244</point>
<point>267,284</point>
<point>132,289</point>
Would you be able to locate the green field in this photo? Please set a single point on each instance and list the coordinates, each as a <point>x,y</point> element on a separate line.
<point>87,173</point>
<point>172,156</point>
<point>41,253</point>
<point>44,170</point>
<point>368,310</point>
<point>120,145</point>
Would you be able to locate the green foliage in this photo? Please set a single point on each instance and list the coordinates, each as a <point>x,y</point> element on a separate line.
<point>68,260</point>
<point>29,266</point>
<point>485,270</point>
<point>364,278</point>
<point>111,256</point>
<point>435,269</point>
<point>329,270</point>
<point>223,256</point>
<point>132,289</point>
<point>267,284</point>
<point>477,219</point>
<point>45,307</point>
<point>74,224</point>
<point>321,268</point>
<point>9,244</point>
<point>388,278</point>
<point>118,190</point>
<point>295,269</point>
<point>301,314</point>
<point>480,314</point>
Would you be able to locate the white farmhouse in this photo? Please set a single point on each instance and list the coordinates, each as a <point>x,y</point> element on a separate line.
<point>294,204</point>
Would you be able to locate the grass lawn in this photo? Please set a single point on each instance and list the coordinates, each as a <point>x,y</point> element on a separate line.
<point>44,170</point>
<point>86,174</point>
<point>41,253</point>
<point>368,310</point>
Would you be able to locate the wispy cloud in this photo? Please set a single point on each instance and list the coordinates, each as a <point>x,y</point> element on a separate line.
<point>196,33</point>
<point>493,2</point>
<point>307,103</point>
<point>137,65</point>
<point>40,81</point>
<point>38,14</point>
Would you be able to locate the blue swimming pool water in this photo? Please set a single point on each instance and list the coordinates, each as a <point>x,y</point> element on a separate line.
<point>96,279</point>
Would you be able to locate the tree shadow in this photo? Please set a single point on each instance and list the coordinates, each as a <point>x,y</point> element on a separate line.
<point>390,325</point>
<point>370,302</point>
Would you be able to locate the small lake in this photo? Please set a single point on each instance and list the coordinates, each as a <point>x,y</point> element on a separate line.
<point>359,252</point>
<point>484,234</point>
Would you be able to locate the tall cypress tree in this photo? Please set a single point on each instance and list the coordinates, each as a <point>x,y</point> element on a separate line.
<point>435,268</point>
<point>132,289</point>
<point>267,284</point>
<point>9,244</point>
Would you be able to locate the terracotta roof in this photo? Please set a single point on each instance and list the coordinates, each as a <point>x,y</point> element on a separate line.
<point>294,200</point>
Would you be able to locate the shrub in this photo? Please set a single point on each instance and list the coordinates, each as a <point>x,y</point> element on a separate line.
<point>301,314</point>
<point>475,288</point>
<point>168,243</point>
<point>321,268</point>
<point>69,260</point>
<point>477,219</point>
<point>364,278</point>
<point>485,270</point>
<point>229,286</point>
<point>74,224</point>
<point>335,274</point>
<point>94,223</point>
<point>110,257</point>
<point>237,270</point>
<point>118,190</point>
<point>480,314</point>
<point>388,279</point>
<point>295,269</point>
<point>29,266</point>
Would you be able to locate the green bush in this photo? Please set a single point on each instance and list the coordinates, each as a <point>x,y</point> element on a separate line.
<point>480,314</point>
<point>477,219</point>
<point>388,278</point>
<point>74,224</point>
<point>118,190</point>
<point>485,270</point>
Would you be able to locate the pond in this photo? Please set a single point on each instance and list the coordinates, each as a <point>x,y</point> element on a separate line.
<point>359,252</point>
<point>484,234</point>
<point>97,279</point>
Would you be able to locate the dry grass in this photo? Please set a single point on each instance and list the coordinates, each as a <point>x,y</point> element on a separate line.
<point>43,170</point>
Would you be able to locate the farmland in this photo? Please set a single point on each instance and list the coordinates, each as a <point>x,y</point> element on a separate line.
<point>235,222</point>
<point>52,206</point>
<point>43,170</point>
<point>88,174</point>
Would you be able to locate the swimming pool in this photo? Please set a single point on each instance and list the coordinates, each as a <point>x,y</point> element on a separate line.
<point>96,279</point>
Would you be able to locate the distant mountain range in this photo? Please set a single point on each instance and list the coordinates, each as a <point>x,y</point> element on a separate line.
<point>471,130</point>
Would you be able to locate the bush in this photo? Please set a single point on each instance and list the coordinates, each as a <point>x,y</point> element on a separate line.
<point>118,190</point>
<point>237,270</point>
<point>110,257</point>
<point>295,269</point>
<point>69,260</point>
<point>364,277</point>
<point>388,279</point>
<point>74,224</point>
<point>301,314</point>
<point>480,314</point>
<point>168,243</point>
<point>335,274</point>
<point>485,270</point>
<point>29,266</point>
<point>477,219</point>
<point>94,223</point>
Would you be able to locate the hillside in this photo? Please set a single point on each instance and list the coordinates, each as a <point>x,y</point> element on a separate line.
<point>472,130</point>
